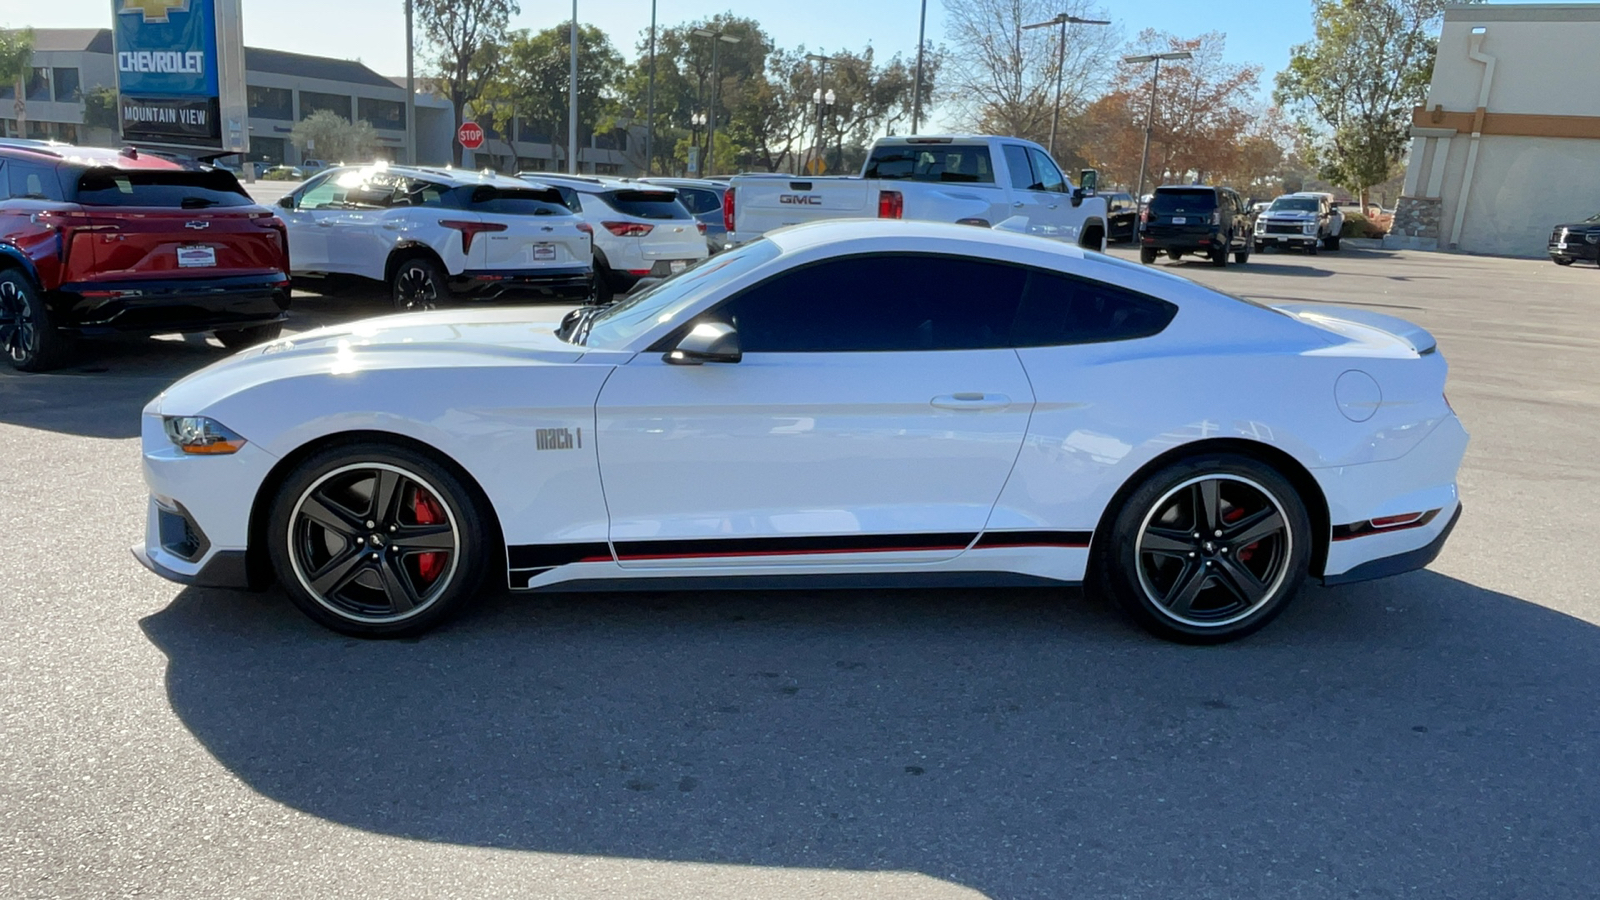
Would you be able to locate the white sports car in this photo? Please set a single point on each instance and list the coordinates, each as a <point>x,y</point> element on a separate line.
<point>877,403</point>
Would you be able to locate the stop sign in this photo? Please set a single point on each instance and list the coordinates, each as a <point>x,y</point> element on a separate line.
<point>470,134</point>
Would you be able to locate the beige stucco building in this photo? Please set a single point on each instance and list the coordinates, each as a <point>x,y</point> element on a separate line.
<point>1508,143</point>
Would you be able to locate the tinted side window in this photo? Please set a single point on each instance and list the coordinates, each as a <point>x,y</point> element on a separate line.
<point>1017,164</point>
<point>33,182</point>
<point>1058,309</point>
<point>880,303</point>
<point>1049,176</point>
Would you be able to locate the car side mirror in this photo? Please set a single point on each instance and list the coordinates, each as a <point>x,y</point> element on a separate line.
<point>707,342</point>
<point>1078,194</point>
<point>286,201</point>
<point>1089,181</point>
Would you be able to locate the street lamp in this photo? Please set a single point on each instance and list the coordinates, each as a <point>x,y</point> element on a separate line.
<point>816,96</point>
<point>696,121</point>
<point>916,79</point>
<point>572,96</point>
<point>822,100</point>
<point>1149,119</point>
<point>718,38</point>
<point>1063,20</point>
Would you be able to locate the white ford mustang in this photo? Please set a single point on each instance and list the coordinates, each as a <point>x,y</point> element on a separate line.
<point>858,402</point>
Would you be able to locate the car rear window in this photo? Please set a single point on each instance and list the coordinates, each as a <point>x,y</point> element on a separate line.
<point>931,162</point>
<point>646,204</point>
<point>515,201</point>
<point>166,188</point>
<point>1166,202</point>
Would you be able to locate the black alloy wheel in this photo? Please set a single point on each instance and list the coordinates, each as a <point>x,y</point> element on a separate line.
<point>377,541</point>
<point>419,285</point>
<point>27,338</point>
<point>1207,550</point>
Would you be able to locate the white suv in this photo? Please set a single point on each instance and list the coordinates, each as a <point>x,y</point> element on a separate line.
<point>640,229</point>
<point>431,234</point>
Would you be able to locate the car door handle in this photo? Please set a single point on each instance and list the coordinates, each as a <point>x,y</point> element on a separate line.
<point>971,402</point>
<point>325,223</point>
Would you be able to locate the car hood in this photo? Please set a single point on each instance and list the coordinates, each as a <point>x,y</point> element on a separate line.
<point>444,338</point>
<point>1581,226</point>
<point>1289,214</point>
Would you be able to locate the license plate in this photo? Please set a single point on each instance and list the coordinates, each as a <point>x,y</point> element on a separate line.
<point>678,265</point>
<point>544,251</point>
<point>1180,220</point>
<point>1561,245</point>
<point>196,257</point>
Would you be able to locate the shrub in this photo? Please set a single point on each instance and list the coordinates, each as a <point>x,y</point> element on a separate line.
<point>1357,225</point>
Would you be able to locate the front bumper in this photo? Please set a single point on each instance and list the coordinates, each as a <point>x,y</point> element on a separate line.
<point>566,283</point>
<point>1575,250</point>
<point>1286,240</point>
<point>177,304</point>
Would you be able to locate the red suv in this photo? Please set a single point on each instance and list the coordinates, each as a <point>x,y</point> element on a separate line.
<point>97,241</point>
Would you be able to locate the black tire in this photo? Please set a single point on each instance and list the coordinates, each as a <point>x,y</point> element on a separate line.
<point>1174,255</point>
<point>604,290</point>
<point>28,338</point>
<point>1331,242</point>
<point>1242,256</point>
<point>418,284</point>
<point>1219,255</point>
<point>1311,249</point>
<point>1196,589</point>
<point>238,338</point>
<point>1147,256</point>
<point>1260,247</point>
<point>327,565</point>
<point>1561,262</point>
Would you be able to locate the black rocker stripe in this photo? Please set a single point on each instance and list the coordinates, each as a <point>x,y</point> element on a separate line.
<point>1033,539</point>
<point>792,546</point>
<point>1364,528</point>
<point>547,556</point>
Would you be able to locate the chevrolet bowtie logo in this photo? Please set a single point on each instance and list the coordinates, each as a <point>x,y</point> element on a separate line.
<point>154,10</point>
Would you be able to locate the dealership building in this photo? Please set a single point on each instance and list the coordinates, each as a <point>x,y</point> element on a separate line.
<point>1508,143</point>
<point>70,64</point>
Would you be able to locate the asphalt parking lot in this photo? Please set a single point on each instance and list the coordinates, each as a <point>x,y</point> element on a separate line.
<point>1434,735</point>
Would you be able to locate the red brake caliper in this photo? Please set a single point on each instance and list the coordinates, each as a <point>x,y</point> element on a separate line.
<point>429,565</point>
<point>1234,515</point>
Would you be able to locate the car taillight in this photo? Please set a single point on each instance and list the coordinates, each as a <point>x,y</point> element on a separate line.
<point>701,226</point>
<point>628,229</point>
<point>891,204</point>
<point>727,210</point>
<point>586,228</point>
<point>470,230</point>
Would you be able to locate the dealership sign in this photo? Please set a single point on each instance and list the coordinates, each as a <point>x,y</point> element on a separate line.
<point>180,72</point>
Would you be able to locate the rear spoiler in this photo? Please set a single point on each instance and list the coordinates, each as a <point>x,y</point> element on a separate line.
<point>1351,322</point>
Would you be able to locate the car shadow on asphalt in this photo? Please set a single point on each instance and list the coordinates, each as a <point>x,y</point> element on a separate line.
<point>1256,266</point>
<point>1024,743</point>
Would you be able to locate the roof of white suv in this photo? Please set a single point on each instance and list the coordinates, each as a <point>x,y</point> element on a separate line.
<point>446,175</point>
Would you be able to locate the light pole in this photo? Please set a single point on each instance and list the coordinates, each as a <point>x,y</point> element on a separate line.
<point>916,79</point>
<point>1063,20</point>
<point>822,81</point>
<point>650,101</point>
<point>823,100</point>
<point>1150,117</point>
<point>411,89</point>
<point>695,121</point>
<point>572,98</point>
<point>718,38</point>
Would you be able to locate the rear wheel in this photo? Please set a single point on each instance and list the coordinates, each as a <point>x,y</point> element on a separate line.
<point>28,339</point>
<point>248,337</point>
<point>1147,256</point>
<point>1207,550</point>
<point>604,290</point>
<point>1242,256</point>
<point>1219,254</point>
<point>418,284</point>
<point>378,541</point>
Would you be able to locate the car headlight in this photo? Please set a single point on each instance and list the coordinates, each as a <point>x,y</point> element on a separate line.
<point>200,435</point>
<point>1592,237</point>
<point>1309,228</point>
<point>1260,226</point>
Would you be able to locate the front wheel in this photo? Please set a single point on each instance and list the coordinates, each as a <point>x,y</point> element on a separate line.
<point>1242,256</point>
<point>1561,261</point>
<point>1331,241</point>
<point>237,338</point>
<point>375,541</point>
<point>28,338</point>
<point>1207,550</point>
<point>418,284</point>
<point>1147,256</point>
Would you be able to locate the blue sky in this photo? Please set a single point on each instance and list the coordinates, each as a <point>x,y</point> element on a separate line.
<point>1258,31</point>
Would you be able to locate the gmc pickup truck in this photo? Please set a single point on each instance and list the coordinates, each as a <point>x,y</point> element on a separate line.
<point>968,180</point>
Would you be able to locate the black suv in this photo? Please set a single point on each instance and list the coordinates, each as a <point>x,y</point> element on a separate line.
<point>1580,240</point>
<point>1196,218</point>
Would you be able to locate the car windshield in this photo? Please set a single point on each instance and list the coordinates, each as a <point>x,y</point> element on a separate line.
<point>162,188</point>
<point>1295,204</point>
<point>931,162</point>
<point>1165,203</point>
<point>615,326</point>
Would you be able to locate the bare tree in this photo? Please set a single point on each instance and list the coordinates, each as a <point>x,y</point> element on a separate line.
<point>1001,78</point>
<point>468,37</point>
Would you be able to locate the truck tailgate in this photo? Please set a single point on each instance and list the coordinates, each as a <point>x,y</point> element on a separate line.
<point>766,203</point>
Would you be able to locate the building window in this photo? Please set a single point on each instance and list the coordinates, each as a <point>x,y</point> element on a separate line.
<point>311,101</point>
<point>607,169</point>
<point>66,83</point>
<point>40,131</point>
<point>532,164</point>
<point>270,102</point>
<point>67,132</point>
<point>38,84</point>
<point>267,151</point>
<point>390,114</point>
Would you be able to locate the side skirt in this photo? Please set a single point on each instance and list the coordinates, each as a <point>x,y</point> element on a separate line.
<point>818,582</point>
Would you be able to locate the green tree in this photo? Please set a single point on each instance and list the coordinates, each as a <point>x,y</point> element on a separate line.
<point>16,55</point>
<point>100,108</point>
<point>534,83</point>
<point>327,135</point>
<point>467,37</point>
<point>1355,83</point>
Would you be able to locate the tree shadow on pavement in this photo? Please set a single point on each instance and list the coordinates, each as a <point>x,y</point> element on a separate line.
<point>1418,737</point>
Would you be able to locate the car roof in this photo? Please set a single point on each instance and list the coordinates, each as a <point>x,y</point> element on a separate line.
<point>452,176</point>
<point>687,182</point>
<point>49,152</point>
<point>847,231</point>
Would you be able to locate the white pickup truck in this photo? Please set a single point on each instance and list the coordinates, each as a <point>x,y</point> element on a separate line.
<point>969,180</point>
